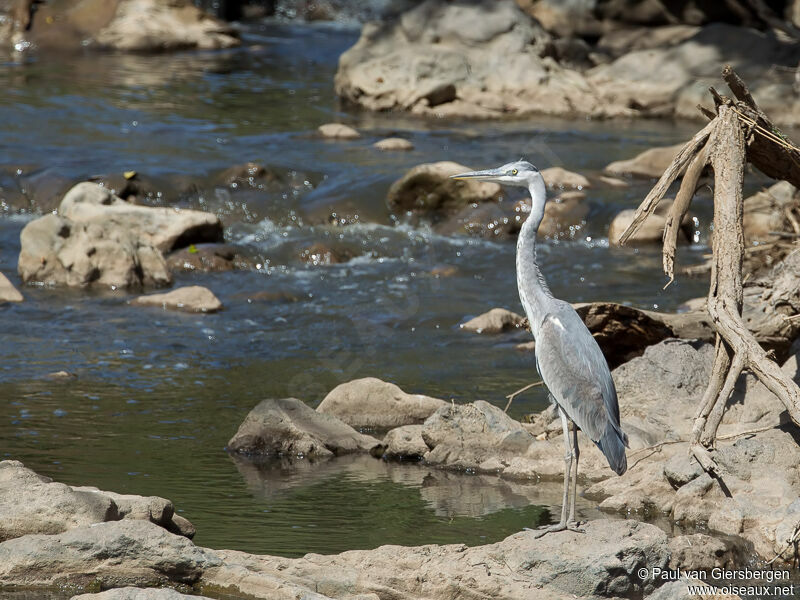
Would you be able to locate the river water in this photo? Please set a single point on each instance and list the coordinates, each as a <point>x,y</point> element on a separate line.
<point>155,395</point>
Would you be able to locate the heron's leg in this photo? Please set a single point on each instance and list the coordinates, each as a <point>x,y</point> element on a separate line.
<point>562,524</point>
<point>576,453</point>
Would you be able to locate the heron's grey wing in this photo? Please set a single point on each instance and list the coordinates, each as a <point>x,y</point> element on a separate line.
<point>574,370</point>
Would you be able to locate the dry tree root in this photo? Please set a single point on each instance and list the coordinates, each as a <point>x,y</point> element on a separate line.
<point>739,131</point>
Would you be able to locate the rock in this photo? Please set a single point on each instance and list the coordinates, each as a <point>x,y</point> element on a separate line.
<point>602,562</point>
<point>134,593</point>
<point>320,254</point>
<point>98,238</point>
<point>30,503</point>
<point>208,258</point>
<point>564,215</point>
<point>428,190</point>
<point>651,163</point>
<point>370,402</point>
<point>165,228</point>
<point>193,298</point>
<point>56,251</point>
<point>489,220</point>
<point>393,143</point>
<point>497,320</point>
<point>405,442</point>
<point>558,178</point>
<point>338,131</point>
<point>113,554</point>
<point>74,24</point>
<point>701,552</point>
<point>766,211</point>
<point>620,40</point>
<point>290,427</point>
<point>8,293</point>
<point>652,230</point>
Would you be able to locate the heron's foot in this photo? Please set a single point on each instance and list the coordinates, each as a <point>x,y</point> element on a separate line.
<point>562,526</point>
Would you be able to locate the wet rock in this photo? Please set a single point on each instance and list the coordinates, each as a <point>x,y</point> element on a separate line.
<point>370,402</point>
<point>289,427</point>
<point>208,258</point>
<point>602,562</point>
<point>770,211</point>
<point>321,254</point>
<point>558,178</point>
<point>31,503</point>
<point>651,163</point>
<point>652,230</point>
<point>393,143</point>
<point>496,320</point>
<point>195,299</point>
<point>135,593</point>
<point>428,190</point>
<point>405,442</point>
<point>488,220</point>
<point>338,131</point>
<point>116,553</point>
<point>8,293</point>
<point>563,215</point>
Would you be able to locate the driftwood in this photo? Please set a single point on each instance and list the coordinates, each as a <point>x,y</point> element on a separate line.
<point>739,131</point>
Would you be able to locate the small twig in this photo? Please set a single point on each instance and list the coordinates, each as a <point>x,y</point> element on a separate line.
<point>518,392</point>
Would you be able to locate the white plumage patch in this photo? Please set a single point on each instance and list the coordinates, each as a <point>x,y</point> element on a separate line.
<point>558,323</point>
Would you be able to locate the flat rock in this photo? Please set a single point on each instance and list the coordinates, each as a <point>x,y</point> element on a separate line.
<point>134,593</point>
<point>338,131</point>
<point>652,230</point>
<point>289,427</point>
<point>766,210</point>
<point>602,562</point>
<point>427,189</point>
<point>195,298</point>
<point>370,402</point>
<point>31,503</point>
<point>497,320</point>
<point>393,143</point>
<point>8,293</point>
<point>112,554</point>
<point>650,164</point>
<point>559,178</point>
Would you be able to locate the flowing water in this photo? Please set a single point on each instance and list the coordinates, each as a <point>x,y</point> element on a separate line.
<point>154,396</point>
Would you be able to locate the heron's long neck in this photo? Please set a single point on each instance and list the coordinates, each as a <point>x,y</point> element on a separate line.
<point>533,291</point>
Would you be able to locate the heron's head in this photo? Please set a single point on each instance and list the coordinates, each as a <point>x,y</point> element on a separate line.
<point>520,173</point>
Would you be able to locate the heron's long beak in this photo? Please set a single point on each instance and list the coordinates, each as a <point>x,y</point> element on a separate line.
<point>487,175</point>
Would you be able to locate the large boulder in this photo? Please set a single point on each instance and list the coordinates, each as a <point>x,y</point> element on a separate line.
<point>98,238</point>
<point>496,320</point>
<point>134,593</point>
<point>603,562</point>
<point>652,230</point>
<point>31,503</point>
<point>370,402</point>
<point>429,191</point>
<point>113,554</point>
<point>289,427</point>
<point>128,25</point>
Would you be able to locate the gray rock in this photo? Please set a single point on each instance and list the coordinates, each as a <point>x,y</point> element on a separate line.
<point>427,190</point>
<point>681,469</point>
<point>194,299</point>
<point>650,164</point>
<point>31,503</point>
<point>289,427</point>
<point>405,442</point>
<point>117,553</point>
<point>652,230</point>
<point>702,552</point>
<point>602,562</point>
<point>134,593</point>
<point>370,402</point>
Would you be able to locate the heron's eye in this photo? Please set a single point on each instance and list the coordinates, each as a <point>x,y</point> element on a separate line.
<point>514,171</point>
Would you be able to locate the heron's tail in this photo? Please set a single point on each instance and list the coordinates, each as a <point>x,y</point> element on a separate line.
<point>613,444</point>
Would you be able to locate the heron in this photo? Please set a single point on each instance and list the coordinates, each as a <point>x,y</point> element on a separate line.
<point>568,359</point>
